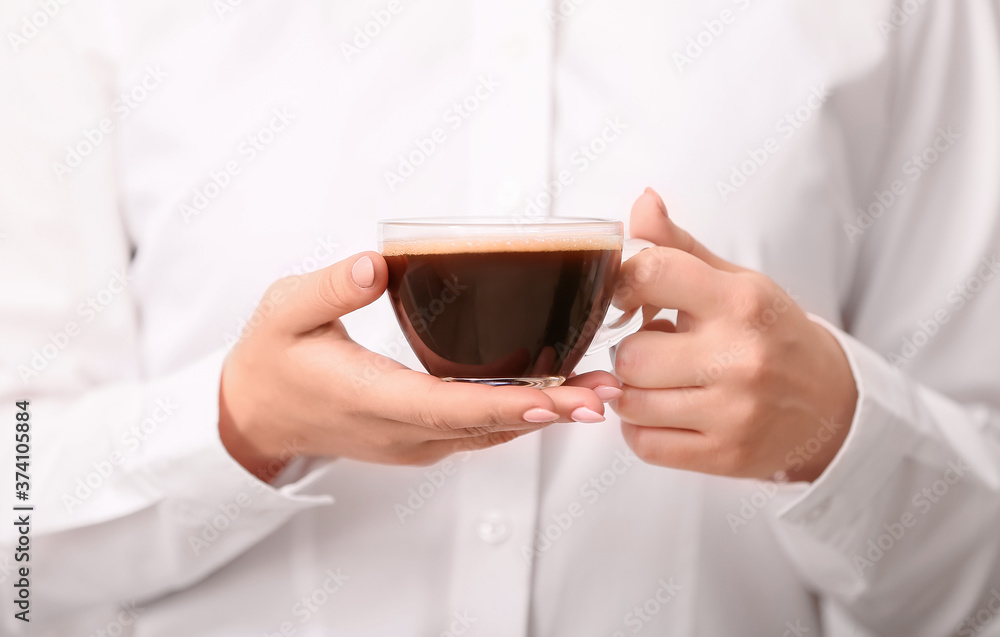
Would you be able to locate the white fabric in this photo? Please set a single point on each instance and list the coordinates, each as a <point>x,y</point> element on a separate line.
<point>869,89</point>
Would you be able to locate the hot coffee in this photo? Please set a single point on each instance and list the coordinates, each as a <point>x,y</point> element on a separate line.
<point>502,307</point>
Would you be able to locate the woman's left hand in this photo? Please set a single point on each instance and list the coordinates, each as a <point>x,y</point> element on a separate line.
<point>744,385</point>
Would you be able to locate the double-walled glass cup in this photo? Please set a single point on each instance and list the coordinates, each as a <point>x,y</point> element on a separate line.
<point>502,301</point>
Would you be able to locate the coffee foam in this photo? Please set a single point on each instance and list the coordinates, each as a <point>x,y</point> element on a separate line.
<point>502,243</point>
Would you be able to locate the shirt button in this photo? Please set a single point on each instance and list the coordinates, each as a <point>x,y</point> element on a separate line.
<point>493,528</point>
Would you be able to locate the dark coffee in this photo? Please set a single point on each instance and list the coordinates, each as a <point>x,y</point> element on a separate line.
<point>502,308</point>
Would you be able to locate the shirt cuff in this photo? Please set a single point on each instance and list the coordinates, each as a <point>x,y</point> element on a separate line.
<point>189,466</point>
<point>880,436</point>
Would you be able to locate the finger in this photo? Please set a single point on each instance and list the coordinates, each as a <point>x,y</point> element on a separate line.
<point>306,302</point>
<point>671,278</point>
<point>650,221</point>
<point>602,383</point>
<point>684,322</point>
<point>430,402</point>
<point>675,448</point>
<point>475,432</point>
<point>576,404</point>
<point>678,408</point>
<point>653,359</point>
<point>660,325</point>
<point>436,449</point>
<point>649,313</point>
<point>403,437</point>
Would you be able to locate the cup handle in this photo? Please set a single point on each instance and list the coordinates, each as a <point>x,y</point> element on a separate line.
<point>620,324</point>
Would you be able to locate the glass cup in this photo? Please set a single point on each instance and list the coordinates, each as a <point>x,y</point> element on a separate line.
<point>499,301</point>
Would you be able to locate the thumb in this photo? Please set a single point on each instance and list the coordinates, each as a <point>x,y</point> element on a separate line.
<point>649,220</point>
<point>316,298</point>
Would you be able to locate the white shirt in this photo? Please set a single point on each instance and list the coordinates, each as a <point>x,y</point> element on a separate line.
<point>241,145</point>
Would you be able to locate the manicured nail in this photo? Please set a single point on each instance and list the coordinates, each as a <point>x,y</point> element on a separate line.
<point>539,415</point>
<point>607,392</point>
<point>582,414</point>
<point>363,272</point>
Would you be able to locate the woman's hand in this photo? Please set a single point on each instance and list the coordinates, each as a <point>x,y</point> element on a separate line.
<point>744,385</point>
<point>297,381</point>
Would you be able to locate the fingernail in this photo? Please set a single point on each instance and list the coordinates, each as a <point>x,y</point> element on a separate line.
<point>363,272</point>
<point>607,392</point>
<point>539,415</point>
<point>582,414</point>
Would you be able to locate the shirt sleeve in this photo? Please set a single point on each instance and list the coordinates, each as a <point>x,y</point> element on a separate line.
<point>114,455</point>
<point>900,531</point>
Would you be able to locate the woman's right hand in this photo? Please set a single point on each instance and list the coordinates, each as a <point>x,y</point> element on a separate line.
<point>297,381</point>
